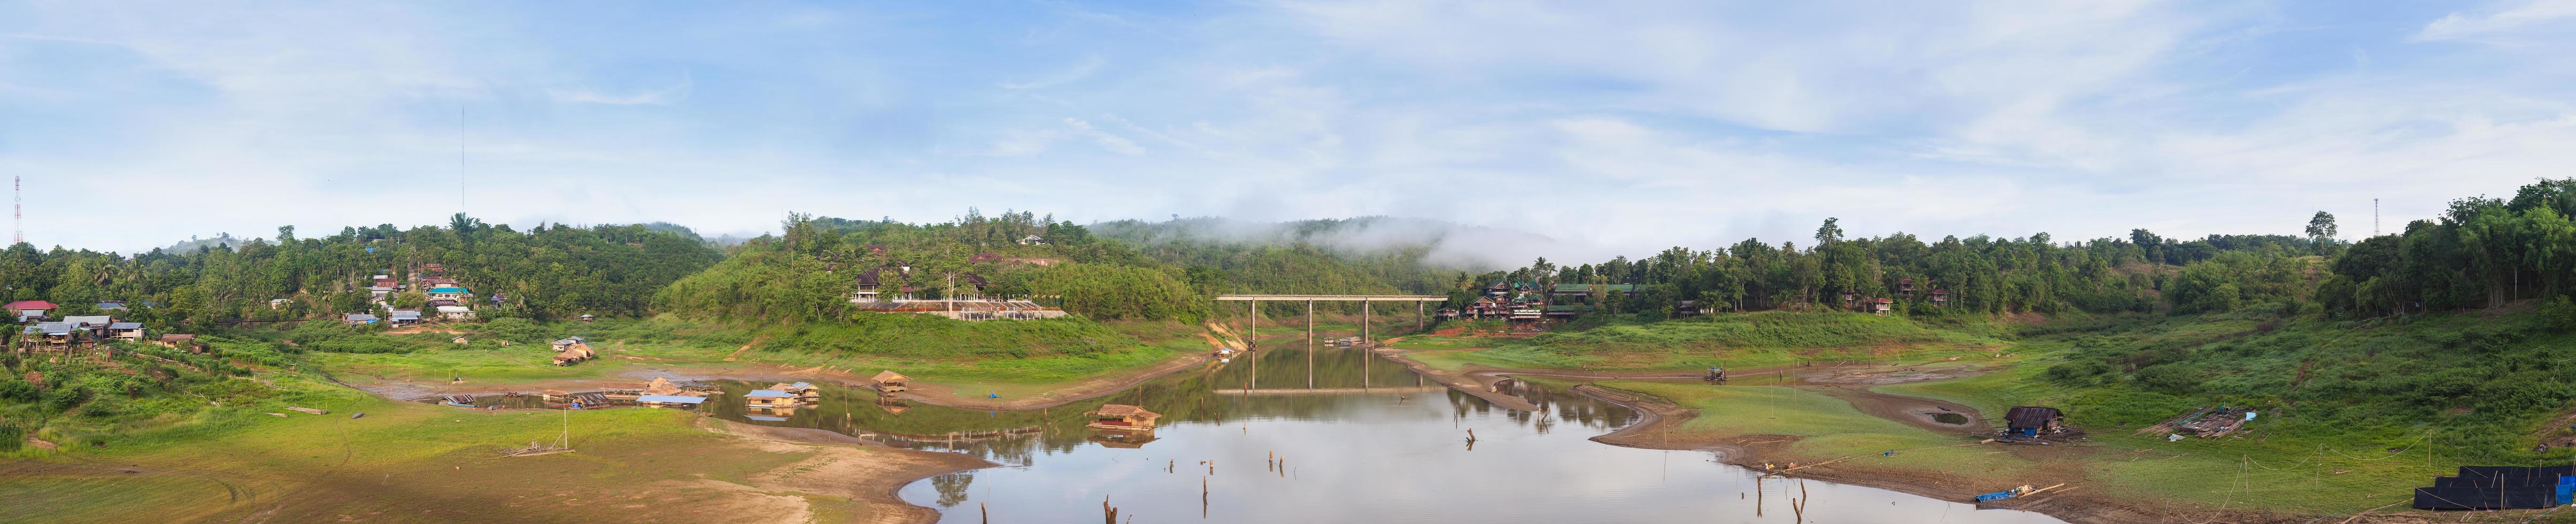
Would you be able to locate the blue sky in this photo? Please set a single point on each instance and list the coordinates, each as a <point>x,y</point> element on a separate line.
<point>1617,126</point>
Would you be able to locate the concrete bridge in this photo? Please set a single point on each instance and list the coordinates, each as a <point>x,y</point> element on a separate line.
<point>1250,335</point>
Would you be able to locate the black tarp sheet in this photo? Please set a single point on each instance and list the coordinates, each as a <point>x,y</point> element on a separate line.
<point>2525,497</point>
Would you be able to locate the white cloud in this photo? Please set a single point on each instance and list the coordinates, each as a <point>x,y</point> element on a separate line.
<point>1111,142</point>
<point>2509,19</point>
<point>662,96</point>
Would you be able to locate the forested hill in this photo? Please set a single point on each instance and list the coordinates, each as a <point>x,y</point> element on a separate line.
<point>546,271</point>
<point>1358,255</point>
<point>808,271</point>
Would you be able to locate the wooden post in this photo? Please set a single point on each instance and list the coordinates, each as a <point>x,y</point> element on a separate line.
<point>1364,322</point>
<point>1252,337</point>
<point>1417,316</point>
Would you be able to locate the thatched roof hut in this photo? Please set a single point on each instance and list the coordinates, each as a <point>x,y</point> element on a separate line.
<point>661,386</point>
<point>1122,417</point>
<point>890,381</point>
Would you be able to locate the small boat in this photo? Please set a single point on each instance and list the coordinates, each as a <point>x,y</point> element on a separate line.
<point>454,403</point>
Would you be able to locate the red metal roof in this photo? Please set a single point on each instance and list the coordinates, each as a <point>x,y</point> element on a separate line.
<point>33,304</point>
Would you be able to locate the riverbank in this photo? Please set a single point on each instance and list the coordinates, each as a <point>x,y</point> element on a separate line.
<point>864,472</point>
<point>416,462</point>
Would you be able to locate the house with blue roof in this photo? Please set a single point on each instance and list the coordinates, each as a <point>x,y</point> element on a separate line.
<point>769,398</point>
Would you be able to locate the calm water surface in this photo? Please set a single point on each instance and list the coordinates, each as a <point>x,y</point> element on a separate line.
<point>1361,441</point>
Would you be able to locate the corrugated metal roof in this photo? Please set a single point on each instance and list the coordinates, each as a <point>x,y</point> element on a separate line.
<point>448,290</point>
<point>767,393</point>
<point>126,325</point>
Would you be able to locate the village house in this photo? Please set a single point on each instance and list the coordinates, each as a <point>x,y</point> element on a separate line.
<point>805,392</point>
<point>455,313</point>
<point>1882,306</point>
<point>768,399</point>
<point>873,288</point>
<point>358,319</point>
<point>588,318</point>
<point>1033,240</point>
<point>27,309</point>
<point>402,317</point>
<point>1122,417</point>
<point>456,293</point>
<point>126,331</point>
<point>891,382</point>
<point>1940,297</point>
<point>48,337</point>
<point>434,268</point>
<point>1905,286</point>
<point>279,303</point>
<point>188,343</point>
<point>95,326</point>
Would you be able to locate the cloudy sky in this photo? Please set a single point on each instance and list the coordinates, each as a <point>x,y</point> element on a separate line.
<point>1633,125</point>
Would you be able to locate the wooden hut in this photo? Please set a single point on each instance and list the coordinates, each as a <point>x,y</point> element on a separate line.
<point>2032,421</point>
<point>1122,417</point>
<point>890,381</point>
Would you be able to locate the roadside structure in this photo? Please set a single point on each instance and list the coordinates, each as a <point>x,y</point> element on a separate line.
<point>402,317</point>
<point>358,319</point>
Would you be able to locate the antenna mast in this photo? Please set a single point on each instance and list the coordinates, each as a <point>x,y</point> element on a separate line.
<point>17,210</point>
<point>2374,217</point>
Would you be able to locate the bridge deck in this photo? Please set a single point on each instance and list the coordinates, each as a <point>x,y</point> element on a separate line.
<point>1333,391</point>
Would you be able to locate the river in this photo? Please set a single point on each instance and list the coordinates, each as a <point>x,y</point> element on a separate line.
<point>1333,435</point>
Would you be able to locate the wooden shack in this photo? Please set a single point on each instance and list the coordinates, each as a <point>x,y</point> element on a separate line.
<point>182,342</point>
<point>890,382</point>
<point>2032,421</point>
<point>1940,297</point>
<point>1122,417</point>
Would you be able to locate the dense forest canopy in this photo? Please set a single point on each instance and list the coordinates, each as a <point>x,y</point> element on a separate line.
<point>809,270</point>
<point>547,272</point>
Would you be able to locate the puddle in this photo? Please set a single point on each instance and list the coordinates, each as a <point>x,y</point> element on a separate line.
<point>1949,418</point>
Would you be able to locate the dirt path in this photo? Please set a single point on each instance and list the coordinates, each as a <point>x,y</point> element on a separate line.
<point>946,395</point>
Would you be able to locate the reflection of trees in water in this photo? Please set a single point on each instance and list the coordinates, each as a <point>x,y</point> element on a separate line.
<point>1189,396</point>
<point>952,487</point>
